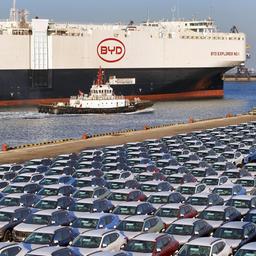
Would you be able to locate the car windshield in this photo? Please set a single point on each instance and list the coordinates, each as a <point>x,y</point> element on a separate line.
<point>198,200</point>
<point>48,192</point>
<point>240,203</point>
<point>4,168</point>
<point>229,233</point>
<point>219,167</point>
<point>158,199</point>
<point>85,223</point>
<point>168,212</point>
<point>116,185</point>
<point>125,210</point>
<point>229,155</point>
<point>194,250</point>
<point>83,183</point>
<point>83,194</point>
<point>210,182</point>
<point>111,176</point>
<point>118,197</point>
<point>198,173</point>
<point>162,164</point>
<point>175,180</point>
<point>5,216</point>
<point>21,179</point>
<point>186,190</point>
<point>13,189</point>
<point>246,183</point>
<point>212,215</point>
<point>140,246</point>
<point>39,238</point>
<point>223,191</point>
<point>232,174</point>
<point>183,230</point>
<point>46,204</point>
<point>81,207</point>
<point>38,219</point>
<point>149,188</point>
<point>87,241</point>
<point>9,201</point>
<point>133,226</point>
<point>244,252</point>
<point>48,181</point>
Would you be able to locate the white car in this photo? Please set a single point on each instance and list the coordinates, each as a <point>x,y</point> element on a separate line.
<point>206,246</point>
<point>98,239</point>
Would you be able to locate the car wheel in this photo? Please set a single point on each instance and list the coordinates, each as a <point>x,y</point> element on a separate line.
<point>7,236</point>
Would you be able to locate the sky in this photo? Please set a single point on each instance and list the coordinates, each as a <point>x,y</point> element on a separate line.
<point>226,13</point>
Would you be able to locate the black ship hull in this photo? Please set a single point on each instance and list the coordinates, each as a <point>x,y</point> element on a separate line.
<point>32,87</point>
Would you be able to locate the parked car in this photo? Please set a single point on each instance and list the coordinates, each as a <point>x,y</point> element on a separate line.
<point>206,246</point>
<point>52,251</point>
<point>220,214</point>
<point>185,230</point>
<point>152,244</point>
<point>99,239</point>
<point>171,212</point>
<point>133,225</point>
<point>236,233</point>
<point>247,250</point>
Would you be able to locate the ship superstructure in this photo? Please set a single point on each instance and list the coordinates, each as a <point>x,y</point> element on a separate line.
<point>42,60</point>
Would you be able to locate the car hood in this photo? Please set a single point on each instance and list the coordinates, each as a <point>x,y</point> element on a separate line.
<point>181,239</point>
<point>23,227</point>
<point>139,254</point>
<point>233,243</point>
<point>3,223</point>
<point>226,198</point>
<point>130,234</point>
<point>30,247</point>
<point>243,210</point>
<point>167,220</point>
<point>200,208</point>
<point>84,251</point>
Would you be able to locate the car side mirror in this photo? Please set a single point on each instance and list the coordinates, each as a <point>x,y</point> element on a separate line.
<point>15,219</point>
<point>146,229</point>
<point>227,218</point>
<point>246,236</point>
<point>158,250</point>
<point>101,226</point>
<point>104,245</point>
<point>56,242</point>
<point>196,232</point>
<point>138,213</point>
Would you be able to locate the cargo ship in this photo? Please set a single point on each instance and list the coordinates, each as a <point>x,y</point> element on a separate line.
<point>42,62</point>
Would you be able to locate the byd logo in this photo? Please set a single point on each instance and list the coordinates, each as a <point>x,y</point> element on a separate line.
<point>111,50</point>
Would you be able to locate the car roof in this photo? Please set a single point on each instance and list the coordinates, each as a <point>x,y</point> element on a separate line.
<point>249,246</point>
<point>162,193</point>
<point>244,197</point>
<point>45,250</point>
<point>52,198</point>
<point>46,212</point>
<point>186,221</point>
<point>217,208</point>
<point>235,224</point>
<point>48,229</point>
<point>10,208</point>
<point>97,232</point>
<point>123,190</point>
<point>148,236</point>
<point>204,241</point>
<point>138,217</point>
<point>131,203</point>
<point>94,215</point>
<point>171,206</point>
<point>203,195</point>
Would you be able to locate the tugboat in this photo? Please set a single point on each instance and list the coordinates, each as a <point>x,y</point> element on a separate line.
<point>101,100</point>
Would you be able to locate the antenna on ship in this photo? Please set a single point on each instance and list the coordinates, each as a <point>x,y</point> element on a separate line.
<point>13,12</point>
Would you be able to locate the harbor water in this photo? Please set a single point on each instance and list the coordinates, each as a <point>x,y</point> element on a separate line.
<point>24,125</point>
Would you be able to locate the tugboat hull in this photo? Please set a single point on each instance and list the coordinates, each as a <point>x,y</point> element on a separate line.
<point>55,109</point>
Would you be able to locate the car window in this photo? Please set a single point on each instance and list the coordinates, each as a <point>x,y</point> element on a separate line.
<point>108,219</point>
<point>113,237</point>
<point>162,242</point>
<point>62,234</point>
<point>11,251</point>
<point>62,252</point>
<point>153,222</point>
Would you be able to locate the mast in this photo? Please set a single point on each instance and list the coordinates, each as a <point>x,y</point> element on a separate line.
<point>13,12</point>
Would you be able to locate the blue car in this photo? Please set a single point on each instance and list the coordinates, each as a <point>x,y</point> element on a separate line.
<point>251,158</point>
